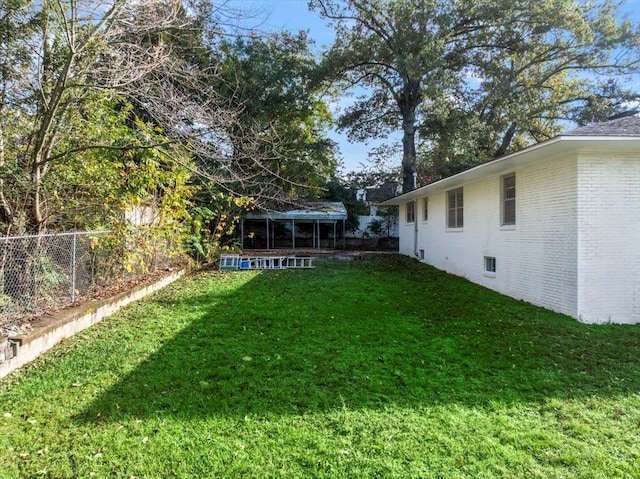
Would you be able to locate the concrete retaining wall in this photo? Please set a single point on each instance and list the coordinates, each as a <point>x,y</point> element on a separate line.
<point>49,331</point>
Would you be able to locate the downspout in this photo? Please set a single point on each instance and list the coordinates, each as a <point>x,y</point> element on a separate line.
<point>415,228</point>
<point>415,217</point>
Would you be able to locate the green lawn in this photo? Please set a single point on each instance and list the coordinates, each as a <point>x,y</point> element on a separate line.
<point>379,368</point>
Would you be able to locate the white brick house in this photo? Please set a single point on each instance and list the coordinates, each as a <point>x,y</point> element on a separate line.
<point>556,224</point>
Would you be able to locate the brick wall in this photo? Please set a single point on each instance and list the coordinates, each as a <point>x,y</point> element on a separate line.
<point>575,248</point>
<point>535,259</point>
<point>609,238</point>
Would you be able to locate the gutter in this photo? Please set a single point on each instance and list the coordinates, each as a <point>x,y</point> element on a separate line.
<point>556,146</point>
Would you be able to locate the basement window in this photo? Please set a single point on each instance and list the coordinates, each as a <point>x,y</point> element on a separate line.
<point>490,265</point>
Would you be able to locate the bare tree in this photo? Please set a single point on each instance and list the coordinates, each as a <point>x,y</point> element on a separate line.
<point>75,54</point>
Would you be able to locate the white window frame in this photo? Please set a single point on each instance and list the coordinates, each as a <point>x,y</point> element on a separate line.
<point>490,266</point>
<point>457,209</point>
<point>506,197</point>
<point>410,208</point>
<point>425,209</point>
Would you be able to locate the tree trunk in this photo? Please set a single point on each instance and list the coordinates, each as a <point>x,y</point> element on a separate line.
<point>6,215</point>
<point>408,154</point>
<point>408,100</point>
<point>506,140</point>
<point>36,223</point>
<point>51,105</point>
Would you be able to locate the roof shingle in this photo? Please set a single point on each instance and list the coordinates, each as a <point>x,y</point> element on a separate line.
<point>625,126</point>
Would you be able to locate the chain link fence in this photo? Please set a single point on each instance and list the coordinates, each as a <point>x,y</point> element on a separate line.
<point>40,273</point>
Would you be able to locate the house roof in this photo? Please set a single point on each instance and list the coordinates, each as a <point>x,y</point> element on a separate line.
<point>620,135</point>
<point>625,126</point>
<point>324,210</point>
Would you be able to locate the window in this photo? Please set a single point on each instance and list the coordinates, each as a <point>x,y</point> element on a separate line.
<point>509,199</point>
<point>422,254</point>
<point>455,217</point>
<point>411,212</point>
<point>489,264</point>
<point>425,211</point>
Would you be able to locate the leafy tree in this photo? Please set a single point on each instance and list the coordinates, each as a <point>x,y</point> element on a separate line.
<point>271,83</point>
<point>338,190</point>
<point>60,96</point>
<point>471,80</point>
<point>382,227</point>
<point>123,82</point>
<point>213,227</point>
<point>15,27</point>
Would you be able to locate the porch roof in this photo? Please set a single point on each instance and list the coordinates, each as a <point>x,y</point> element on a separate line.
<point>328,211</point>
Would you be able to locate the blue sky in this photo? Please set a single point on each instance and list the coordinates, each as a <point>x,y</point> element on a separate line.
<point>294,15</point>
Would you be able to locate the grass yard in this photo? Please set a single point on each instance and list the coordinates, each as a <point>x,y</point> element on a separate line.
<point>379,368</point>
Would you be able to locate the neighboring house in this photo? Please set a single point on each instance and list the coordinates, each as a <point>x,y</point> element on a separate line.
<point>372,197</point>
<point>556,224</point>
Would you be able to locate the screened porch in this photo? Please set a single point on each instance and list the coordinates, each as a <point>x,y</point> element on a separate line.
<point>314,226</point>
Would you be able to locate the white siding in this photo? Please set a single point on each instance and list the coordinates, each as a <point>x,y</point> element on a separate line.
<point>406,231</point>
<point>609,239</point>
<point>536,260</point>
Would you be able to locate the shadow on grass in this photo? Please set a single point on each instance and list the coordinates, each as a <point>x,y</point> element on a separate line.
<point>368,336</point>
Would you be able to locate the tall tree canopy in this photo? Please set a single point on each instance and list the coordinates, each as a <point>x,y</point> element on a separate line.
<point>472,79</point>
<point>71,72</point>
<point>109,103</point>
<point>272,82</point>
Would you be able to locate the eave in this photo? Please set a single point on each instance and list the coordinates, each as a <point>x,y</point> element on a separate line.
<point>555,147</point>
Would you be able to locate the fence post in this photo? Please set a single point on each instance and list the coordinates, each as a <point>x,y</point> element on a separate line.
<point>73,268</point>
